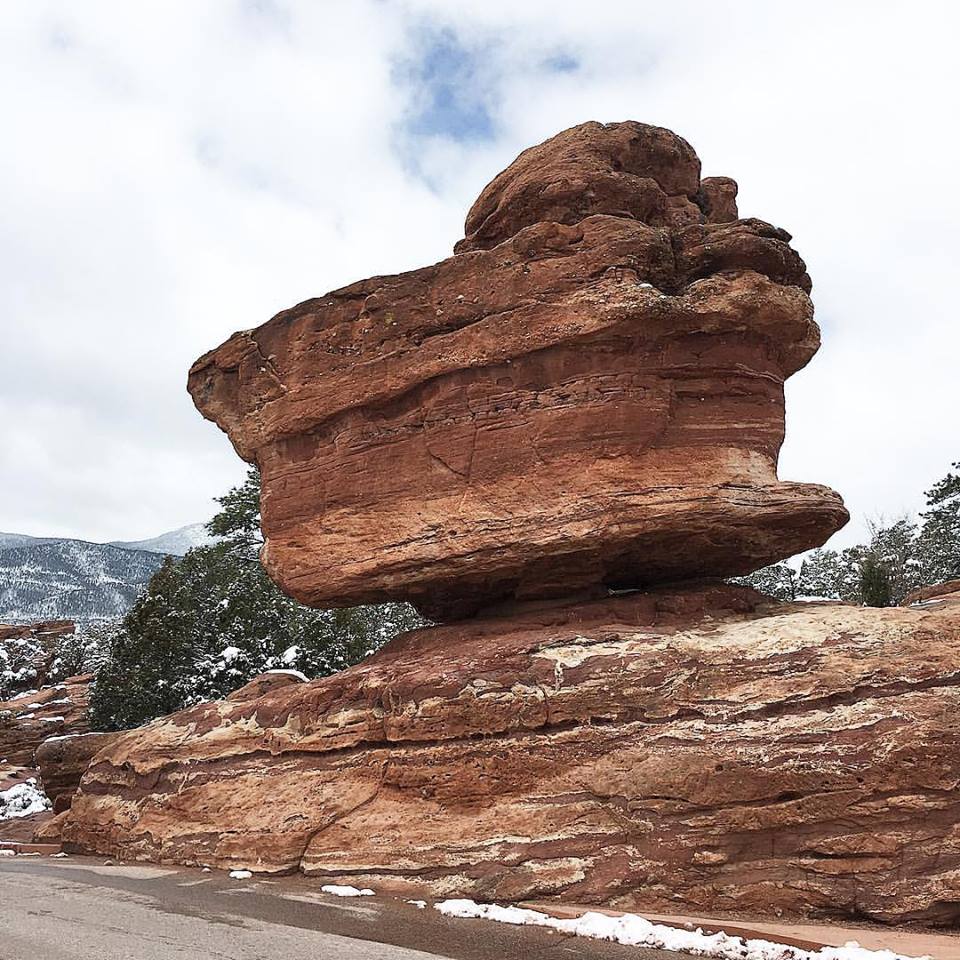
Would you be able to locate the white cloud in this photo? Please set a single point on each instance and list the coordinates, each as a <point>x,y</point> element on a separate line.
<point>176,171</point>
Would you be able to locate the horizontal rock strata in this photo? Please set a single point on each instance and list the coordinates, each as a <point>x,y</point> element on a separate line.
<point>590,393</point>
<point>30,718</point>
<point>63,760</point>
<point>696,749</point>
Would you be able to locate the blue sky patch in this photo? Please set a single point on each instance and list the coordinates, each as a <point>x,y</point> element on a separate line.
<point>450,96</point>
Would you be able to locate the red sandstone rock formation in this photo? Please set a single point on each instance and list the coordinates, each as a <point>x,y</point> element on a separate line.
<point>266,683</point>
<point>589,394</point>
<point>62,761</point>
<point>933,592</point>
<point>689,750</point>
<point>30,718</point>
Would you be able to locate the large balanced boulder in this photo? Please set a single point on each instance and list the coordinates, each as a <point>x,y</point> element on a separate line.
<point>697,749</point>
<point>588,395</point>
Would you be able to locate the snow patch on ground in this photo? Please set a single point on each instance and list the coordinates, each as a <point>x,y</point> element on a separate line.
<point>632,930</point>
<point>339,891</point>
<point>23,800</point>
<point>240,874</point>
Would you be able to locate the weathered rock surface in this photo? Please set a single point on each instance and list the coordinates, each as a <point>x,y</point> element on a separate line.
<point>62,761</point>
<point>932,592</point>
<point>697,749</point>
<point>266,683</point>
<point>30,718</point>
<point>588,395</point>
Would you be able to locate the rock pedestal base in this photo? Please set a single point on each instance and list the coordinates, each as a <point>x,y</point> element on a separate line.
<point>698,750</point>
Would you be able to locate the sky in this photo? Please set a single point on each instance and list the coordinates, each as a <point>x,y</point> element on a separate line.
<point>172,172</point>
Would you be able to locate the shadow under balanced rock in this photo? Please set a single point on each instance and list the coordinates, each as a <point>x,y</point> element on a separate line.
<point>560,431</point>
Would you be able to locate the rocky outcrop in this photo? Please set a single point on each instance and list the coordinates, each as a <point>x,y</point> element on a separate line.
<point>933,592</point>
<point>33,716</point>
<point>62,761</point>
<point>266,683</point>
<point>588,395</point>
<point>695,749</point>
<point>30,718</point>
<point>586,399</point>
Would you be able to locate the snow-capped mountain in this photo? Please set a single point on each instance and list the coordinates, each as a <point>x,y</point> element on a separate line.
<point>47,578</point>
<point>176,542</point>
<point>71,580</point>
<point>20,540</point>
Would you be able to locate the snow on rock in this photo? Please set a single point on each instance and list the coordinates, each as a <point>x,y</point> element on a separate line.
<point>346,891</point>
<point>633,930</point>
<point>290,673</point>
<point>23,800</point>
<point>71,736</point>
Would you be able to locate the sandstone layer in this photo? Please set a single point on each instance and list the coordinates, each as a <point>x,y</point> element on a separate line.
<point>587,395</point>
<point>931,593</point>
<point>62,761</point>
<point>30,718</point>
<point>698,749</point>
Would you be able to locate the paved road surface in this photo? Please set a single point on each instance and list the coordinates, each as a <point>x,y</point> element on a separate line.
<point>79,909</point>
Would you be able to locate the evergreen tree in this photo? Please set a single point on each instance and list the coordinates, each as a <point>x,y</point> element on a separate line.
<point>939,540</point>
<point>238,522</point>
<point>210,621</point>
<point>779,581</point>
<point>832,575</point>
<point>894,546</point>
<point>875,589</point>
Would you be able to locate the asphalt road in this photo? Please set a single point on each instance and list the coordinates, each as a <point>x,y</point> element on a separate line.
<point>80,909</point>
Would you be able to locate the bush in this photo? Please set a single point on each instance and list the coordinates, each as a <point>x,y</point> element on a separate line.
<point>875,588</point>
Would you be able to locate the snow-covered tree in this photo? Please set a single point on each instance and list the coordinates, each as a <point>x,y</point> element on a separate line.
<point>898,558</point>
<point>939,540</point>
<point>832,575</point>
<point>779,581</point>
<point>875,589</point>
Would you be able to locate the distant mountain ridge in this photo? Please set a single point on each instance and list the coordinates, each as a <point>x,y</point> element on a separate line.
<point>176,542</point>
<point>51,578</point>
